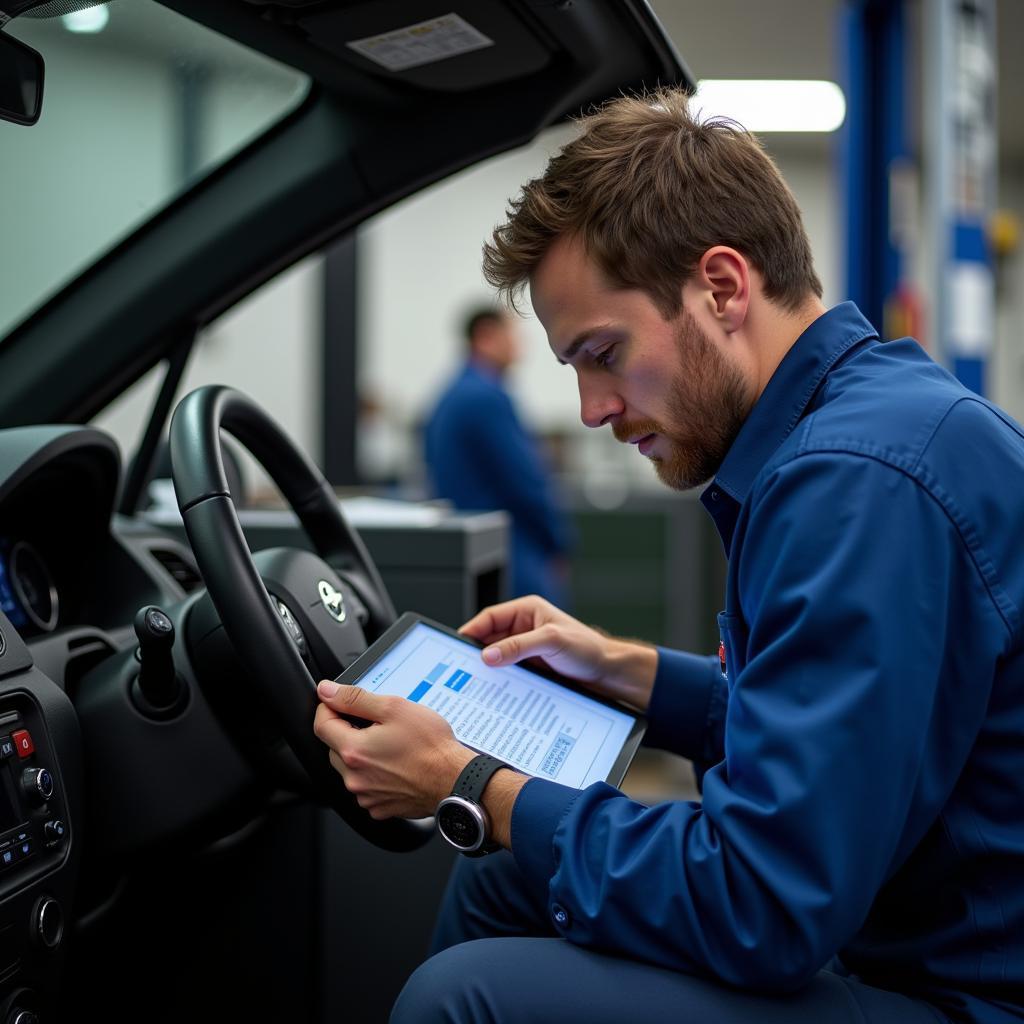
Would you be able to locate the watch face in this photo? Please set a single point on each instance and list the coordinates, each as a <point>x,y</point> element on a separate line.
<point>459,825</point>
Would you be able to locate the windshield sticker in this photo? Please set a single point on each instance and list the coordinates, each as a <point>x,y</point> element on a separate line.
<point>423,43</point>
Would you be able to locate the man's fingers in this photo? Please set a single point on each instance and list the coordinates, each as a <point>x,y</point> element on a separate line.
<point>496,619</point>
<point>326,722</point>
<point>540,643</point>
<point>508,617</point>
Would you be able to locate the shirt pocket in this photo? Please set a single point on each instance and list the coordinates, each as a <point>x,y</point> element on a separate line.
<point>733,635</point>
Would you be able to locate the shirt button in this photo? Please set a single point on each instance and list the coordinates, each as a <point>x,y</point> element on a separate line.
<point>560,914</point>
<point>714,495</point>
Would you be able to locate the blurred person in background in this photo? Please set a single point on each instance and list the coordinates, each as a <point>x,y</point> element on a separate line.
<point>480,457</point>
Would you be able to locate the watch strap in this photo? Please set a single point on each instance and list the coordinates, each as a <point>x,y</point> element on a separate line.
<point>473,779</point>
<point>470,785</point>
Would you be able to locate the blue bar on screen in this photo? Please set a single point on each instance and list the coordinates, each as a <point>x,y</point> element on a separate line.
<point>419,691</point>
<point>454,678</point>
<point>435,673</point>
<point>462,682</point>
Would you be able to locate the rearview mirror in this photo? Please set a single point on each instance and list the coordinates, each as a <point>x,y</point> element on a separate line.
<point>21,81</point>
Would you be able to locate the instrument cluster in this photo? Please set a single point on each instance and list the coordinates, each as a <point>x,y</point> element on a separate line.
<point>28,594</point>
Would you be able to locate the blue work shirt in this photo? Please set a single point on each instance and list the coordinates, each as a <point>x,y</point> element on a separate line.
<point>863,754</point>
<point>480,457</point>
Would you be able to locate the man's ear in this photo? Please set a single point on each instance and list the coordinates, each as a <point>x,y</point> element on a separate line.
<point>722,279</point>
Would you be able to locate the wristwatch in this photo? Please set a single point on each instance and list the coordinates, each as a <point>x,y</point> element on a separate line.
<point>461,819</point>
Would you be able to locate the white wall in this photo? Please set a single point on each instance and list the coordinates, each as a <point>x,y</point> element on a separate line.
<point>106,152</point>
<point>60,207</point>
<point>419,271</point>
<point>244,349</point>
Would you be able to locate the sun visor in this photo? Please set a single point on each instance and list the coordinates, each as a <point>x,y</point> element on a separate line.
<point>445,47</point>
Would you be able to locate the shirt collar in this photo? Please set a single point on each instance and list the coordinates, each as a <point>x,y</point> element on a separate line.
<point>788,393</point>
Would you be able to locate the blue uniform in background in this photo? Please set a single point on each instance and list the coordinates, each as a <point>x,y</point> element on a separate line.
<point>480,457</point>
<point>862,754</point>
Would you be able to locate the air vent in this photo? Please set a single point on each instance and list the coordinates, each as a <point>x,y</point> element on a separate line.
<point>186,575</point>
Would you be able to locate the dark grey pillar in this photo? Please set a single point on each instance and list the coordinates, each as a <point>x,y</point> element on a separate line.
<point>192,80</point>
<point>340,394</point>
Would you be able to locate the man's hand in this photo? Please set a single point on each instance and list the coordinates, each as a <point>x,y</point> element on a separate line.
<point>530,627</point>
<point>402,764</point>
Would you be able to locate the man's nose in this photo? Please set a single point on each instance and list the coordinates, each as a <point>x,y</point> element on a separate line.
<point>598,404</point>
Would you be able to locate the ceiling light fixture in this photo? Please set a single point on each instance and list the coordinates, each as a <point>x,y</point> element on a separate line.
<point>92,19</point>
<point>773,105</point>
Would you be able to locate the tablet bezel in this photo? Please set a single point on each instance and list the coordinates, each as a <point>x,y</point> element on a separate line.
<point>362,665</point>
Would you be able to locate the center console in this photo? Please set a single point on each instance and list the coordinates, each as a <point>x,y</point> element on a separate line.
<point>39,777</point>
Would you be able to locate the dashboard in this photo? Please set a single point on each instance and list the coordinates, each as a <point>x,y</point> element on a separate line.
<point>180,851</point>
<point>140,843</point>
<point>72,576</point>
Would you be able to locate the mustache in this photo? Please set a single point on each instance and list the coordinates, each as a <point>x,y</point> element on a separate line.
<point>638,428</point>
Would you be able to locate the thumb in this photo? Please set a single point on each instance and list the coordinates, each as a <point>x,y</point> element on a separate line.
<point>352,700</point>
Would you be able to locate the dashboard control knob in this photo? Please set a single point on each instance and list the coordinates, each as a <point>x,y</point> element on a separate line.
<point>48,922</point>
<point>54,831</point>
<point>37,784</point>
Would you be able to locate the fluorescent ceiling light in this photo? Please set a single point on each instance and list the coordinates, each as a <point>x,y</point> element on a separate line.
<point>773,105</point>
<point>92,19</point>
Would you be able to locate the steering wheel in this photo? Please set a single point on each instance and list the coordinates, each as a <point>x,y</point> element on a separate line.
<point>318,600</point>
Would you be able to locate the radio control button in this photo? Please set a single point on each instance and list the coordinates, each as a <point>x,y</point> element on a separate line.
<point>6,857</point>
<point>54,831</point>
<point>37,784</point>
<point>23,743</point>
<point>6,747</point>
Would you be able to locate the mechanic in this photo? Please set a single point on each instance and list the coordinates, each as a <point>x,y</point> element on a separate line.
<point>858,854</point>
<point>480,457</point>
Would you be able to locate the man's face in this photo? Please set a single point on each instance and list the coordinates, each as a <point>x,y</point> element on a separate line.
<point>663,385</point>
<point>498,342</point>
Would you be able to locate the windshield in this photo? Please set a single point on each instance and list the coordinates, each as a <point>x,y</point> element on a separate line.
<point>138,103</point>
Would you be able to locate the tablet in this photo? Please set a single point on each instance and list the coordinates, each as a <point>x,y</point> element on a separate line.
<point>541,727</point>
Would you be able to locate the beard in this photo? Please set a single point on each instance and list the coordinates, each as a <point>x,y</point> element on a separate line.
<point>709,400</point>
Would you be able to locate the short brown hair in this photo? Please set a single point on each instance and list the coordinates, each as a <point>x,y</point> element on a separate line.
<point>649,189</point>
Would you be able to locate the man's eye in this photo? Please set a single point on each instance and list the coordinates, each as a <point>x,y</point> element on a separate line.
<point>604,357</point>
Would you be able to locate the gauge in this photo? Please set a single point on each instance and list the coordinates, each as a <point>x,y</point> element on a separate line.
<point>33,586</point>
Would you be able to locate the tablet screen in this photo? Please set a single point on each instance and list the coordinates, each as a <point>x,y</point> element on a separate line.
<point>529,722</point>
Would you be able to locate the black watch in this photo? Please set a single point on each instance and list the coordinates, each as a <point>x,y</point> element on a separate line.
<point>461,818</point>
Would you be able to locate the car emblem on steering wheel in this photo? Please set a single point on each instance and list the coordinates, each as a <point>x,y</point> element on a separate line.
<point>333,600</point>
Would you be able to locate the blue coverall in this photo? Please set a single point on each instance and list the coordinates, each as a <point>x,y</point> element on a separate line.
<point>861,755</point>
